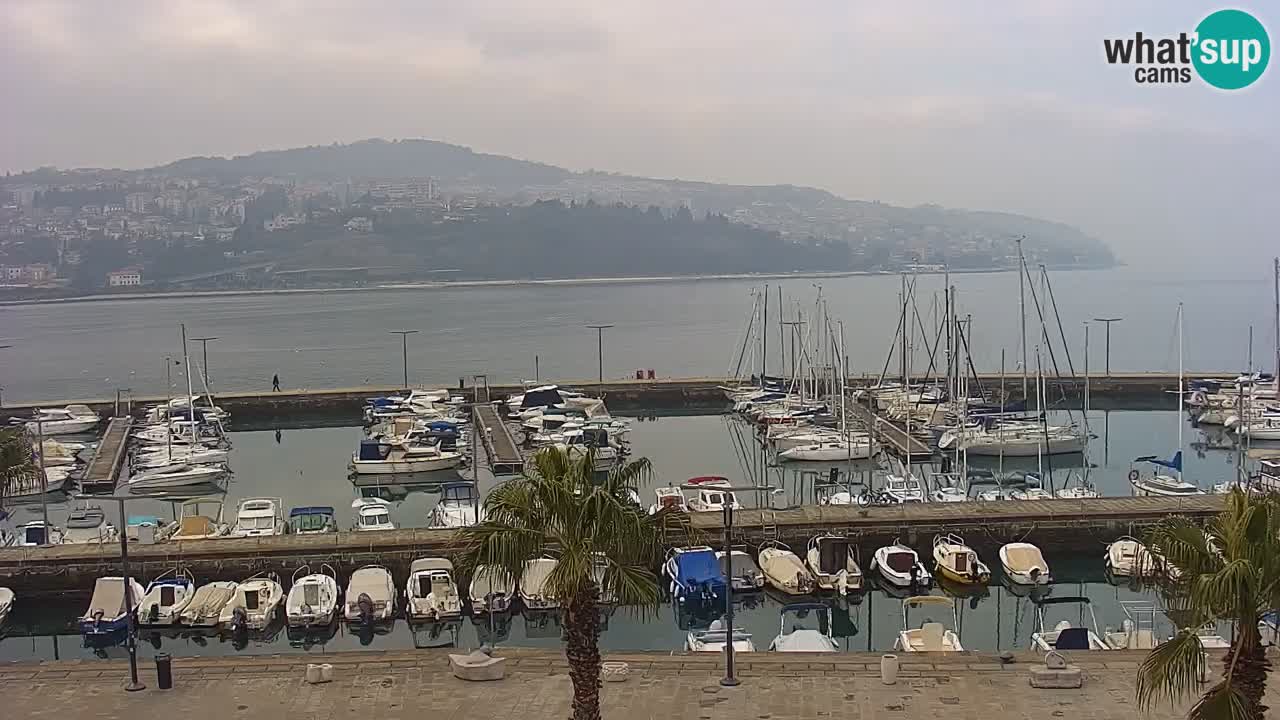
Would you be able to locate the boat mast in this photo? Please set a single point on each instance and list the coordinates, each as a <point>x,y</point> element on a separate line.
<point>1022,313</point>
<point>191,400</point>
<point>168,408</point>
<point>764,338</point>
<point>906,384</point>
<point>1180,399</point>
<point>1084,456</point>
<point>1276,281</point>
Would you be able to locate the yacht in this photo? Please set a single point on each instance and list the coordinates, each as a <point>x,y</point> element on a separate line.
<point>669,498</point>
<point>312,520</point>
<point>430,592</point>
<point>381,458</point>
<point>176,475</point>
<point>185,455</point>
<point>314,598</point>
<point>903,489</point>
<point>932,636</point>
<point>69,420</point>
<point>798,638</point>
<point>260,516</point>
<point>459,506</point>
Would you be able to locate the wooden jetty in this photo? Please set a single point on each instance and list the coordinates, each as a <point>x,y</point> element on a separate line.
<point>499,446</point>
<point>888,433</point>
<point>104,467</point>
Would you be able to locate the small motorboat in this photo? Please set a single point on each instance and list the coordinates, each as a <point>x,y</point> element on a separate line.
<point>370,596</point>
<point>254,605</point>
<point>903,489</point>
<point>372,514</point>
<point>6,603</point>
<point>165,599</point>
<point>381,458</point>
<point>313,599</point>
<point>957,562</point>
<point>714,638</point>
<point>459,506</point>
<point>207,603</point>
<point>312,520</point>
<point>87,525</point>
<point>899,566</point>
<point>533,584</point>
<point>696,576</point>
<point>1064,635</point>
<point>669,498</point>
<point>176,475</point>
<point>833,561</point>
<point>108,612</point>
<point>35,534</point>
<point>430,592</point>
<point>258,517</point>
<point>931,636</point>
<point>713,495</point>
<point>746,577</point>
<point>1024,564</point>
<point>1127,558</point>
<point>490,590</point>
<point>800,638</point>
<point>784,570</point>
<point>69,420</point>
<point>200,519</point>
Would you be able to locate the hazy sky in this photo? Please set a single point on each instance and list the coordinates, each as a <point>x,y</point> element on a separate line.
<point>1008,107</point>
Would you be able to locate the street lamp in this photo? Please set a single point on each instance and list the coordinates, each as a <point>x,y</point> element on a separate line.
<point>729,679</point>
<point>1108,321</point>
<point>130,641</point>
<point>204,362</point>
<point>404,351</point>
<point>3,347</point>
<point>600,348</point>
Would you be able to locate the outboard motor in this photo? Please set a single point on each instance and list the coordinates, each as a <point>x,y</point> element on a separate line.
<point>239,622</point>
<point>365,603</point>
<point>153,615</point>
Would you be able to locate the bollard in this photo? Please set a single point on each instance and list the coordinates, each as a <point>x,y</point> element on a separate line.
<point>164,671</point>
<point>889,669</point>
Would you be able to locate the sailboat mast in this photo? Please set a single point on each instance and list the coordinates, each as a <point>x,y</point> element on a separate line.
<point>168,407</point>
<point>1181,420</point>
<point>764,338</point>
<point>1276,281</point>
<point>1022,314</point>
<point>905,330</point>
<point>191,400</point>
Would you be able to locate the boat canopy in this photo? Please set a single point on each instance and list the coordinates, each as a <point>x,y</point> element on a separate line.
<point>374,450</point>
<point>696,567</point>
<point>544,396</point>
<point>918,601</point>
<point>427,564</point>
<point>707,480</point>
<point>311,510</point>
<point>833,554</point>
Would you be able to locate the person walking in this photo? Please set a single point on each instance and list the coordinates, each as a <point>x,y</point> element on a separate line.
<point>275,383</point>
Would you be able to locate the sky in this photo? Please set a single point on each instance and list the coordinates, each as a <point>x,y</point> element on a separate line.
<point>1005,105</point>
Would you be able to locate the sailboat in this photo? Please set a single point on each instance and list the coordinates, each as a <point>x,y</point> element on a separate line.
<point>1157,483</point>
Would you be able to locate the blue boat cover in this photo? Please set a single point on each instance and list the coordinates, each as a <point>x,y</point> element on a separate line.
<point>136,520</point>
<point>698,568</point>
<point>371,450</point>
<point>441,425</point>
<point>1174,463</point>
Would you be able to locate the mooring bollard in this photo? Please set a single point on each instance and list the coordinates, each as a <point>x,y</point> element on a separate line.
<point>164,671</point>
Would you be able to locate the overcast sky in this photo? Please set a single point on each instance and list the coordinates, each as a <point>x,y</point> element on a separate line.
<point>1010,107</point>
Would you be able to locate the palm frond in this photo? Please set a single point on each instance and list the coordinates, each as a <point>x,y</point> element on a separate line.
<point>1223,701</point>
<point>1172,671</point>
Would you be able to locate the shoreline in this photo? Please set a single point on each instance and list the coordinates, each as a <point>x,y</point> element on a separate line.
<point>528,282</point>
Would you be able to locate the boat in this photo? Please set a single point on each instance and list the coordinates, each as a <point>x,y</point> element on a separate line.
<point>533,585</point>
<point>381,458</point>
<point>1160,484</point>
<point>1265,427</point>
<point>1137,630</point>
<point>69,420</point>
<point>372,514</point>
<point>799,638</point>
<point>1024,564</point>
<point>35,533</point>
<point>186,455</point>
<point>957,562</point>
<point>714,638</point>
<point>746,577</point>
<point>370,596</point>
<point>903,489</point>
<point>176,475</point>
<point>713,495</point>
<point>899,566</point>
<point>490,590</point>
<point>784,571</point>
<point>207,603</point>
<point>108,611</point>
<point>669,498</point>
<point>312,520</point>
<point>833,562</point>
<point>165,599</point>
<point>836,449</point>
<point>931,636</point>
<point>254,605</point>
<point>459,506</point>
<point>6,603</point>
<point>696,576</point>
<point>1064,635</point>
<point>430,592</point>
<point>194,524</point>
<point>29,488</point>
<point>1127,557</point>
<point>87,524</point>
<point>313,599</point>
<point>259,517</point>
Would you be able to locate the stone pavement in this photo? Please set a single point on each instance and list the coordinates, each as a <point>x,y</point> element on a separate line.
<point>378,685</point>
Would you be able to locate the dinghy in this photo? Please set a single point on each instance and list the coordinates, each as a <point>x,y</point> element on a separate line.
<point>108,612</point>
<point>490,590</point>
<point>1024,564</point>
<point>784,571</point>
<point>1127,558</point>
<point>370,596</point>
<point>746,577</point>
<point>957,562</point>
<point>430,592</point>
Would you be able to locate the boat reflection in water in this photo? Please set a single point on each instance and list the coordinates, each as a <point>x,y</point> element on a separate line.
<point>443,633</point>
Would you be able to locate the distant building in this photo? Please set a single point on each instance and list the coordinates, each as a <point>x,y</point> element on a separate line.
<point>137,203</point>
<point>360,224</point>
<point>127,277</point>
<point>280,222</point>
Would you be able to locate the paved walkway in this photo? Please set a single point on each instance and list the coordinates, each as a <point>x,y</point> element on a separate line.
<point>377,685</point>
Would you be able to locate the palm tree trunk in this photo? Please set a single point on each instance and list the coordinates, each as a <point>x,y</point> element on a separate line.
<point>1250,674</point>
<point>582,631</point>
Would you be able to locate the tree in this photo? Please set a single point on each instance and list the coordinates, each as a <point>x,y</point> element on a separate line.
<point>16,461</point>
<point>559,509</point>
<point>1226,571</point>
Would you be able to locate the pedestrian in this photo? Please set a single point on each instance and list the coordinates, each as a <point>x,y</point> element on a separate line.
<point>275,383</point>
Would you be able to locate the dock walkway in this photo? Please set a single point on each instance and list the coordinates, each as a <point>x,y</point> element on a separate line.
<point>104,467</point>
<point>503,453</point>
<point>889,433</point>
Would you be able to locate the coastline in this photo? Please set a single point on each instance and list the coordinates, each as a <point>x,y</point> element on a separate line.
<point>445,285</point>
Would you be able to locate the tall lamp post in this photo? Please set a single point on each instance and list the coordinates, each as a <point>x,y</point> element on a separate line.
<point>404,351</point>
<point>600,348</point>
<point>129,609</point>
<point>3,347</point>
<point>204,362</point>
<point>1108,321</point>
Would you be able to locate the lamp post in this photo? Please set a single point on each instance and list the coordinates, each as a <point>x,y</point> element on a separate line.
<point>44,480</point>
<point>1108,321</point>
<point>600,348</point>
<point>130,639</point>
<point>204,362</point>
<point>3,347</point>
<point>404,351</point>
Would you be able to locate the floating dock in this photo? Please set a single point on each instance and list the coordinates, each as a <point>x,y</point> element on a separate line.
<point>501,449</point>
<point>888,433</point>
<point>104,467</point>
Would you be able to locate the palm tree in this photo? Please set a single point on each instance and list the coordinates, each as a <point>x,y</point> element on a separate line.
<point>559,509</point>
<point>1226,571</point>
<point>16,460</point>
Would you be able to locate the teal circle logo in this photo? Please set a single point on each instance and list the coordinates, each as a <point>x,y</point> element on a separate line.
<point>1231,49</point>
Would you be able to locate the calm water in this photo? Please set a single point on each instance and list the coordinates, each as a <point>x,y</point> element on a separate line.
<point>306,467</point>
<point>685,328</point>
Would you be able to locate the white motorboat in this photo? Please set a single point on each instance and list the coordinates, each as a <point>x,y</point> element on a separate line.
<point>669,498</point>
<point>380,458</point>
<point>176,475</point>
<point>372,514</point>
<point>200,519</point>
<point>35,533</point>
<point>259,516</point>
<point>430,592</point>
<point>533,584</point>
<point>957,562</point>
<point>88,525</point>
<point>798,638</point>
<point>491,590</point>
<point>1065,635</point>
<point>746,577</point>
<point>1076,492</point>
<point>108,612</point>
<point>370,596</point>
<point>1030,493</point>
<point>712,494</point>
<point>833,561</point>
<point>1265,427</point>
<point>312,520</point>
<point>254,605</point>
<point>931,636</point>
<point>207,603</point>
<point>6,603</point>
<point>715,637</point>
<point>1024,564</point>
<point>185,455</point>
<point>594,442</point>
<point>314,598</point>
<point>899,566</point>
<point>459,507</point>
<point>69,420</point>
<point>903,489</point>
<point>837,449</point>
<point>165,599</point>
<point>784,571</point>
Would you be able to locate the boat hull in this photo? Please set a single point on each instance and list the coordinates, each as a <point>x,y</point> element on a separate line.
<point>1028,448</point>
<point>403,467</point>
